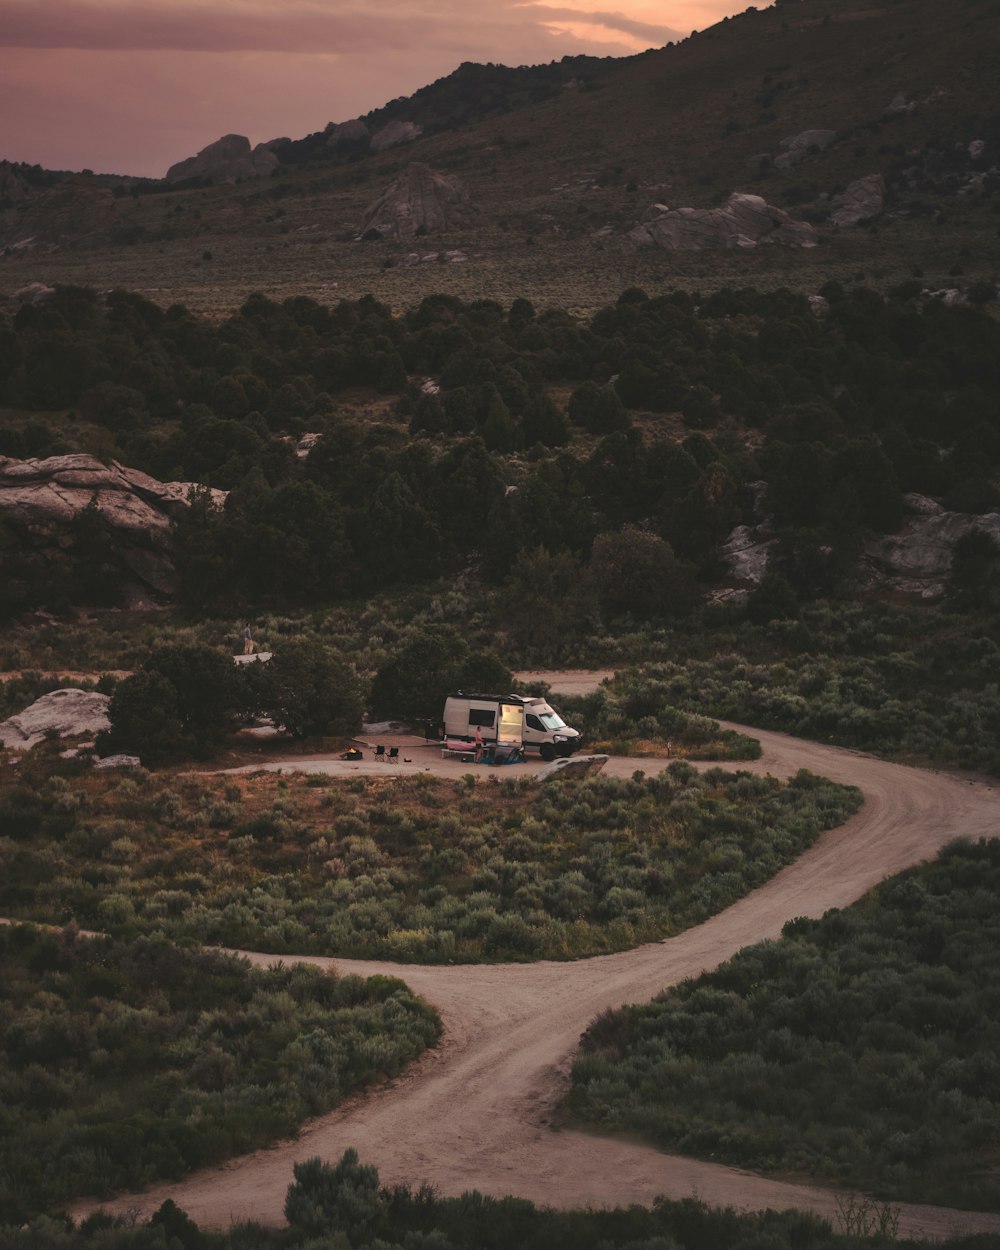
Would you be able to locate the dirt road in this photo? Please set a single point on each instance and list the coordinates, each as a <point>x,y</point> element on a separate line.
<point>478,1111</point>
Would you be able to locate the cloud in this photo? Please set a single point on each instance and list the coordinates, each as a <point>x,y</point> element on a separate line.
<point>654,35</point>
<point>308,26</point>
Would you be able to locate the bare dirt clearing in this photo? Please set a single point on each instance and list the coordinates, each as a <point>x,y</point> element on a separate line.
<point>481,1111</point>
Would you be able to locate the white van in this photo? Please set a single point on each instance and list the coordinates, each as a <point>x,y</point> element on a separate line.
<point>509,718</point>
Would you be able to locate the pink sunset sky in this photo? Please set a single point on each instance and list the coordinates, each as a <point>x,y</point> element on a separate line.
<point>131,86</point>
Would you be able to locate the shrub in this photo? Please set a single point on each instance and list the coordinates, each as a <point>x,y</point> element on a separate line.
<point>181,702</point>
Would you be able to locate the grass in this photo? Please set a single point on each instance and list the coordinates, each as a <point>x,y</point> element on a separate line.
<point>581,275</point>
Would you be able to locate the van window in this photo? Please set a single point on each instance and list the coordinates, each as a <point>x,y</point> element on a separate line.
<point>552,720</point>
<point>534,722</point>
<point>482,716</point>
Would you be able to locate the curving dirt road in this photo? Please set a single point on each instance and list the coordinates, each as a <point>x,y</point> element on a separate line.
<point>478,1111</point>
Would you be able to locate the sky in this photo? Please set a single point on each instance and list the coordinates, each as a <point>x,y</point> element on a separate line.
<point>132,86</point>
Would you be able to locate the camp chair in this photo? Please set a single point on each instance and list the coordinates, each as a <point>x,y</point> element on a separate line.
<point>393,756</point>
<point>380,753</point>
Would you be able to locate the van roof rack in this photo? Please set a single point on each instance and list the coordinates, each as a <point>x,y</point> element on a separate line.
<point>488,698</point>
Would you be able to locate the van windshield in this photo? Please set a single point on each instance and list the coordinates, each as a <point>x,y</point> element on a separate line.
<point>551,720</point>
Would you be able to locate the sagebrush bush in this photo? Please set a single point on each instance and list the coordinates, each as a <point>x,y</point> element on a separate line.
<point>512,872</point>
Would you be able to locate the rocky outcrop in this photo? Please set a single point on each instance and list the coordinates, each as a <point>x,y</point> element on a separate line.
<point>861,201</point>
<point>68,713</point>
<point>917,560</point>
<point>225,160</point>
<point>42,500</point>
<point>744,221</point>
<point>395,134</point>
<point>419,201</point>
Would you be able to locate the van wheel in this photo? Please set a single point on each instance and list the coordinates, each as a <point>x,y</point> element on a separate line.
<point>547,751</point>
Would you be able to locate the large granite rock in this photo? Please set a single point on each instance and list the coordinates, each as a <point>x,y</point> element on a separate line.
<point>68,713</point>
<point>225,160</point>
<point>352,134</point>
<point>744,221</point>
<point>40,500</point>
<point>420,200</point>
<point>861,201</point>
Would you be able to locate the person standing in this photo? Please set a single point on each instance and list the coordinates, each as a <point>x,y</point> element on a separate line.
<point>248,641</point>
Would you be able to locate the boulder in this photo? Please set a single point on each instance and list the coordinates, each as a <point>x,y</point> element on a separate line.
<point>861,201</point>
<point>419,200</point>
<point>34,293</point>
<point>432,258</point>
<point>118,763</point>
<point>306,444</point>
<point>67,713</point>
<point>225,160</point>
<point>798,147</point>
<point>577,766</point>
<point>744,221</point>
<point>395,134</point>
<point>352,134</point>
<point>41,499</point>
<point>950,296</point>
<point>899,104</point>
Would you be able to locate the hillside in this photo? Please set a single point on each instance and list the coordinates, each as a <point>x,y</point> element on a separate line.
<point>561,162</point>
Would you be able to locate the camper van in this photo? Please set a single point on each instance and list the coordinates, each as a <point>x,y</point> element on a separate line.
<point>509,718</point>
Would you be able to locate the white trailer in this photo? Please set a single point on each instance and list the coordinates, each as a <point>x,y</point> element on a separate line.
<point>508,718</point>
